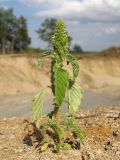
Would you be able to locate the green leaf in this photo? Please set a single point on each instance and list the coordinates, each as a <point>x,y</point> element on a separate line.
<point>72,60</point>
<point>61,81</point>
<point>75,96</point>
<point>43,56</point>
<point>72,126</point>
<point>37,106</point>
<point>46,139</point>
<point>46,53</point>
<point>56,128</point>
<point>40,63</point>
<point>78,133</point>
<point>44,128</point>
<point>64,146</point>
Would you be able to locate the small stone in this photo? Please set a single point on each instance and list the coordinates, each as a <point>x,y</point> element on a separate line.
<point>116,144</point>
<point>113,115</point>
<point>20,150</point>
<point>116,133</point>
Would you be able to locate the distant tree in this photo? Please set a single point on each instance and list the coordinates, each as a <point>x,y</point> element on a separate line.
<point>77,48</point>
<point>13,31</point>
<point>6,16</point>
<point>47,29</point>
<point>22,39</point>
<point>2,31</point>
<point>69,41</point>
<point>11,35</point>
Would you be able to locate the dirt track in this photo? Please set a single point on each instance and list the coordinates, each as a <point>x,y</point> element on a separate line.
<point>20,105</point>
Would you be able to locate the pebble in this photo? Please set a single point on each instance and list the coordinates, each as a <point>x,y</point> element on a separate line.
<point>112,114</point>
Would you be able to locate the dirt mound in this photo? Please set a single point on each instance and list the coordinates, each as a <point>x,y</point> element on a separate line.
<point>102,128</point>
<point>20,74</point>
<point>101,71</point>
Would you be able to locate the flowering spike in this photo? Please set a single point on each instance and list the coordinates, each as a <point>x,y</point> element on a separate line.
<point>60,39</point>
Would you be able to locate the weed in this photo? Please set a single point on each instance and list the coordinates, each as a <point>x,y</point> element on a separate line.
<point>64,88</point>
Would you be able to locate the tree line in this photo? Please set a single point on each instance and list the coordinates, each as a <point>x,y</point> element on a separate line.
<point>13,32</point>
<point>14,35</point>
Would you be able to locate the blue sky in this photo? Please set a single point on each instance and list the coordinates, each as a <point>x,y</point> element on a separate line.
<point>93,24</point>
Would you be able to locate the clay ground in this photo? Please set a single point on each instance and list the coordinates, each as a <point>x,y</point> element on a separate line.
<point>102,128</point>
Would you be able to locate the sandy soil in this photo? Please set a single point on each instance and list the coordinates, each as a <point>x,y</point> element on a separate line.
<point>102,127</point>
<point>20,74</point>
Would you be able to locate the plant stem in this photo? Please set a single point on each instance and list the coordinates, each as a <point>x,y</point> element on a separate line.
<point>57,116</point>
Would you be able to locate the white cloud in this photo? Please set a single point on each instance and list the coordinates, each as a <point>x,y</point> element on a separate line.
<point>113,3</point>
<point>99,19</point>
<point>111,30</point>
<point>78,10</point>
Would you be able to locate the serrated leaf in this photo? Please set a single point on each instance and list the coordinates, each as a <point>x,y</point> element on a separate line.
<point>61,81</point>
<point>42,56</point>
<point>44,128</point>
<point>46,53</point>
<point>72,60</point>
<point>78,133</point>
<point>37,106</point>
<point>46,139</point>
<point>56,128</point>
<point>75,96</point>
<point>64,146</point>
<point>40,63</point>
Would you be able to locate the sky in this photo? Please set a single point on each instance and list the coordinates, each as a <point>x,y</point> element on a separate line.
<point>93,24</point>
